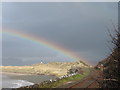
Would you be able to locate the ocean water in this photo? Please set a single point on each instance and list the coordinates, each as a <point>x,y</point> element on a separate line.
<point>16,81</point>
<point>8,82</point>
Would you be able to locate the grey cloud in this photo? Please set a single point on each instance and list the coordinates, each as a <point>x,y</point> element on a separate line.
<point>79,27</point>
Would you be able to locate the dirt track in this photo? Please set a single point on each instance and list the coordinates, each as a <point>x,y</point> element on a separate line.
<point>91,81</point>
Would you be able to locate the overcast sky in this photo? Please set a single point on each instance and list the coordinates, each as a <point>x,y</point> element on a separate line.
<point>78,27</point>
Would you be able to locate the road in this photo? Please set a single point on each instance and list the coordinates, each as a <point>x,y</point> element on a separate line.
<point>91,81</point>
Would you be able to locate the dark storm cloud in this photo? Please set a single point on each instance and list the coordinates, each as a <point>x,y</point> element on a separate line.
<point>79,27</point>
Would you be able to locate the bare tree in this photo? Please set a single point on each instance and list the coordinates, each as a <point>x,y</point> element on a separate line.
<point>111,72</point>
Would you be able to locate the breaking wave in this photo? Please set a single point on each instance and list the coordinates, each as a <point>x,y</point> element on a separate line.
<point>16,83</point>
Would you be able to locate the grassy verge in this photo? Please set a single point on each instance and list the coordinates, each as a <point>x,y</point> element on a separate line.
<point>65,80</point>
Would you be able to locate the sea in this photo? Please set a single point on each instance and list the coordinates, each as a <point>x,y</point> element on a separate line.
<point>11,80</point>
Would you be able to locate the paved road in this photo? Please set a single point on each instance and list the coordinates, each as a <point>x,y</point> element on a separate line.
<point>91,81</point>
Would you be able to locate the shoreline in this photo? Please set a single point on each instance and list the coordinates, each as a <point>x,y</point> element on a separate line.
<point>14,80</point>
<point>58,82</point>
<point>13,73</point>
<point>20,74</point>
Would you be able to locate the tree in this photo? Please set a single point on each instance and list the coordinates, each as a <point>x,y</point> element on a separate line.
<point>111,72</point>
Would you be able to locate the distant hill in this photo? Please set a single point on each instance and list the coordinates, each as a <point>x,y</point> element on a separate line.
<point>51,68</point>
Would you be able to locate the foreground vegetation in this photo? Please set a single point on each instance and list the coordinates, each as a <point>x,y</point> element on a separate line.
<point>61,81</point>
<point>111,65</point>
<point>64,80</point>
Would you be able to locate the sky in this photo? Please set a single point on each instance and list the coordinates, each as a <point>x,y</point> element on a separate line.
<point>76,26</point>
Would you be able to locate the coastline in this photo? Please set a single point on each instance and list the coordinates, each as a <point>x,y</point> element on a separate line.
<point>14,80</point>
<point>21,74</point>
<point>13,73</point>
<point>40,74</point>
<point>59,81</point>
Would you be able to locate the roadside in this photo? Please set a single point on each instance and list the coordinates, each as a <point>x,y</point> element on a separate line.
<point>91,81</point>
<point>71,83</point>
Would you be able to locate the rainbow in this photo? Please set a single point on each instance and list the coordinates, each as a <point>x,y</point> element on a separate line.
<point>43,42</point>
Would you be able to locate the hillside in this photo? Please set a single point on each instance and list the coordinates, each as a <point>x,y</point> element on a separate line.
<point>52,68</point>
